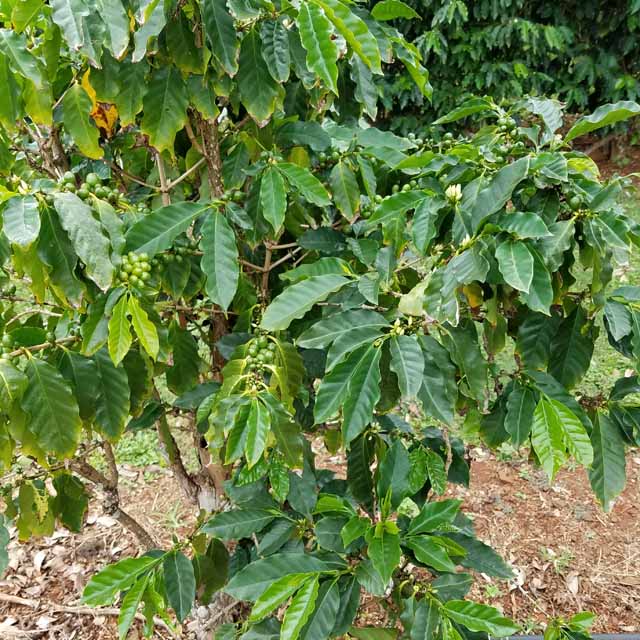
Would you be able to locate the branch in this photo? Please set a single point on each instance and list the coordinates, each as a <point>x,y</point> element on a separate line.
<point>131,177</point>
<point>164,185</point>
<point>211,150</point>
<point>192,138</point>
<point>187,483</point>
<point>187,173</point>
<point>112,501</point>
<point>42,347</point>
<point>265,275</point>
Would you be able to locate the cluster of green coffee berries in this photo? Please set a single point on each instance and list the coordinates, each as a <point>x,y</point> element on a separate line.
<point>328,159</point>
<point>135,269</point>
<point>91,186</point>
<point>396,188</point>
<point>142,208</point>
<point>506,124</point>
<point>415,139</point>
<point>237,195</point>
<point>261,352</point>
<point>178,254</point>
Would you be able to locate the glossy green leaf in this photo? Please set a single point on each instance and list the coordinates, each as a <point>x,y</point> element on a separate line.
<point>407,361</point>
<point>384,551</point>
<point>299,298</point>
<point>87,238</point>
<point>239,523</point>
<point>547,437</point>
<point>300,609</point>
<point>326,331</point>
<point>21,220</point>
<point>392,9</point>
<point>145,329</point>
<point>258,422</point>
<point>363,394</point>
<point>393,473</point>
<point>103,587</point>
<point>524,225</point>
<point>317,38</point>
<point>52,409</point>
<point>69,16</point>
<point>603,116</point>
<point>112,402</point>
<point>467,108</point>
<point>479,617</point>
<point>165,108</point>
<point>439,391</point>
<point>221,34</point>
<point>251,581</point>
<point>437,472</point>
<point>116,21</point>
<point>433,516</point>
<point>572,348</point>
<point>323,619</point>
<point>607,474</point>
<point>156,232</point>
<point>273,198</point>
<point>275,40</point>
<point>301,179</point>
<point>521,405</point>
<point>540,294</point>
<point>132,90</point>
<point>12,385</point>
<point>24,12</point>
<point>129,606</point>
<point>496,194</point>
<point>280,591</point>
<point>259,92</point>
<point>180,583</point>
<point>76,106</point>
<point>430,553</point>
<point>219,259</point>
<point>354,30</point>
<point>516,264</point>
<point>344,186</point>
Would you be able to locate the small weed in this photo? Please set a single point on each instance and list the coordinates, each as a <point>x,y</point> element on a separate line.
<point>492,591</point>
<point>559,561</point>
<point>525,473</point>
<point>172,517</point>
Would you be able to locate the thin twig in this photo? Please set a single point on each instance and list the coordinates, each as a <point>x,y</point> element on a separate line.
<point>131,177</point>
<point>192,138</point>
<point>265,275</point>
<point>41,347</point>
<point>29,312</point>
<point>255,267</point>
<point>164,185</point>
<point>187,173</point>
<point>288,245</point>
<point>289,255</point>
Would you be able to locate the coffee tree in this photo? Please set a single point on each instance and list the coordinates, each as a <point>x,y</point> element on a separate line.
<point>200,222</point>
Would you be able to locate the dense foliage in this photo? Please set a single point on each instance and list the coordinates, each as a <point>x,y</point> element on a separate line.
<point>197,223</point>
<point>583,53</point>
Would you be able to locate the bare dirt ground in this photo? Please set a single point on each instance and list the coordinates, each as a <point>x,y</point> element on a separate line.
<point>568,555</point>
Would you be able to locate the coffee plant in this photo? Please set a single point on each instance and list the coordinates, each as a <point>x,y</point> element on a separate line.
<point>199,222</point>
<point>583,53</point>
